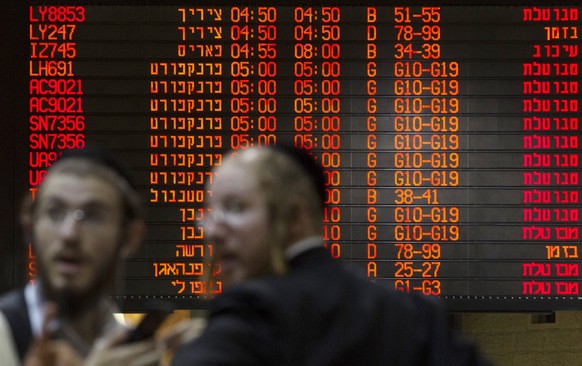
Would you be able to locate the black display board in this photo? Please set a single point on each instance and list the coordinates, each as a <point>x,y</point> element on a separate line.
<point>450,132</point>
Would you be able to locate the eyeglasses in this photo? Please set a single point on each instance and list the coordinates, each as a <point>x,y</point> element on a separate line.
<point>230,213</point>
<point>89,216</point>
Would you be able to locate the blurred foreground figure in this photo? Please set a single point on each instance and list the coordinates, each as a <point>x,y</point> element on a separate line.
<point>285,300</point>
<point>85,220</point>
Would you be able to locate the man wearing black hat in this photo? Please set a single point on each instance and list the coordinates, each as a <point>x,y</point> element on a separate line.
<point>285,301</point>
<point>85,220</point>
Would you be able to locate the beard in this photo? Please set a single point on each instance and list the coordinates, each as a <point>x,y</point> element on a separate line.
<point>71,300</point>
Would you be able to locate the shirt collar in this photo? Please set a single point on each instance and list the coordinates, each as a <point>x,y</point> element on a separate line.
<point>302,246</point>
<point>35,307</point>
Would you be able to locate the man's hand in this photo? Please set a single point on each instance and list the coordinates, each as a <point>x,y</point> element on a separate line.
<point>112,351</point>
<point>47,352</point>
<point>179,334</point>
<point>182,332</point>
<point>52,353</point>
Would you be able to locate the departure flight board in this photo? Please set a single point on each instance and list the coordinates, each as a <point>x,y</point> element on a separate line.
<point>450,133</point>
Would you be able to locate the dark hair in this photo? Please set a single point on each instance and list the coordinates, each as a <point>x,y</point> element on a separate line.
<point>308,163</point>
<point>102,157</point>
<point>288,178</point>
<point>97,161</point>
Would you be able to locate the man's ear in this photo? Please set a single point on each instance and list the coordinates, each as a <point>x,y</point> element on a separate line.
<point>134,236</point>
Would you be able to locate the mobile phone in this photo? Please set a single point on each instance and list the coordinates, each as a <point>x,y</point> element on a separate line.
<point>149,323</point>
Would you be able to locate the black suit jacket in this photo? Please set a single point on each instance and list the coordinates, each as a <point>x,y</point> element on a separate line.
<point>323,314</point>
<point>14,307</point>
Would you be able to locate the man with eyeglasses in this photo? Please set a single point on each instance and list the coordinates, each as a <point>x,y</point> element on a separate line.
<point>84,221</point>
<point>285,300</point>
